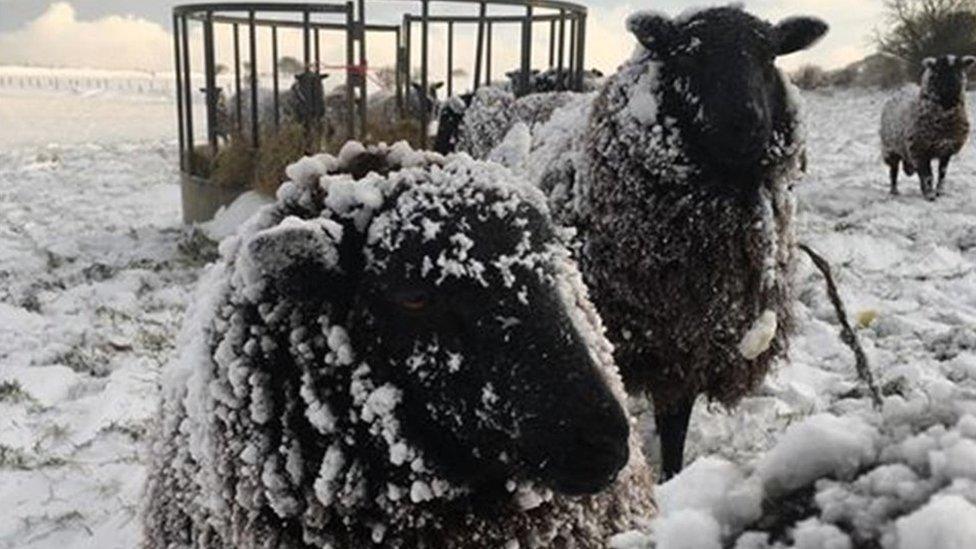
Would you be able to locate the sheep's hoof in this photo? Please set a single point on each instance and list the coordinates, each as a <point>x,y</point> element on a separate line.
<point>894,192</point>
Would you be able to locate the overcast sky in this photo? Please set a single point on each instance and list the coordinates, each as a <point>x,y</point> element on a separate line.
<point>136,33</point>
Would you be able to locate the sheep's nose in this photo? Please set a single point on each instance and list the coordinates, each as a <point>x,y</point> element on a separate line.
<point>594,453</point>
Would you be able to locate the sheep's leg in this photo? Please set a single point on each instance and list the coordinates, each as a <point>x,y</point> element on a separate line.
<point>943,168</point>
<point>672,428</point>
<point>893,172</point>
<point>925,178</point>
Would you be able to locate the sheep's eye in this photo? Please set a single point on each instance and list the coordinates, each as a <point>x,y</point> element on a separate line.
<point>412,301</point>
<point>413,305</point>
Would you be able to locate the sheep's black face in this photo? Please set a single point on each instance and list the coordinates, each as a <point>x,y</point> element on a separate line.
<point>719,77</point>
<point>449,122</point>
<point>461,308</point>
<point>944,79</point>
<point>421,101</point>
<point>309,94</point>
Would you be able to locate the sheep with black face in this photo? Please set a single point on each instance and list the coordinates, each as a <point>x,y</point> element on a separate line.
<point>927,123</point>
<point>302,103</point>
<point>678,176</point>
<point>686,173</point>
<point>399,353</point>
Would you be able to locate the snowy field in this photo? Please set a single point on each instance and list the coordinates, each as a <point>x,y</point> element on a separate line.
<point>95,268</point>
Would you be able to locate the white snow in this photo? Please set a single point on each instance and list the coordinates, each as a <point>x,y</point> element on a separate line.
<point>821,446</point>
<point>93,285</point>
<point>759,337</point>
<point>229,218</point>
<point>688,529</point>
<point>948,522</point>
<point>717,487</point>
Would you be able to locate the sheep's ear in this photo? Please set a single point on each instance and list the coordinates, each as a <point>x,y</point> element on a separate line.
<point>929,62</point>
<point>323,76</point>
<point>298,258</point>
<point>654,31</point>
<point>436,86</point>
<point>968,61</point>
<point>798,33</point>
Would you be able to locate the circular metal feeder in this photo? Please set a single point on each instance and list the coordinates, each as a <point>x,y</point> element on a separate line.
<point>198,50</point>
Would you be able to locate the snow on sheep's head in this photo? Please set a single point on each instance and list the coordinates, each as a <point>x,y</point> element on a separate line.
<point>461,305</point>
<point>729,97</point>
<point>944,78</point>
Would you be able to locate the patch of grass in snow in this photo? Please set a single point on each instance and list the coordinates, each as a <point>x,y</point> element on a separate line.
<point>20,460</point>
<point>133,431</point>
<point>196,246</point>
<point>83,359</point>
<point>46,525</point>
<point>156,342</point>
<point>278,150</point>
<point>12,392</point>
<point>55,432</point>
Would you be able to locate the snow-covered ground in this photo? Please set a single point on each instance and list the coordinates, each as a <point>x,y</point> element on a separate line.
<point>95,269</point>
<point>93,283</point>
<point>906,269</point>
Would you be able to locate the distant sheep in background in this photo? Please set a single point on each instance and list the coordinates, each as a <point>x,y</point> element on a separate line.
<point>554,79</point>
<point>303,102</point>
<point>385,357</point>
<point>498,107</point>
<point>927,123</point>
<point>678,177</point>
<point>477,123</point>
<point>381,108</point>
<point>225,124</point>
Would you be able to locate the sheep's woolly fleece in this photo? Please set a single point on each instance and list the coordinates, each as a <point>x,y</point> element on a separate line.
<point>595,155</point>
<point>916,128</point>
<point>647,210</point>
<point>223,467</point>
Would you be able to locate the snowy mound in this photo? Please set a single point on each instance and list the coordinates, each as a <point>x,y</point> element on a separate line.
<point>904,478</point>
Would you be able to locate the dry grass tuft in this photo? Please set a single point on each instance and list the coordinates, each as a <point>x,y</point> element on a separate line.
<point>234,164</point>
<point>278,149</point>
<point>237,164</point>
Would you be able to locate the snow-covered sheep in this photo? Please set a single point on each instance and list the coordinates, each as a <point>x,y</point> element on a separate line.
<point>381,108</point>
<point>476,122</point>
<point>678,177</point>
<point>385,357</point>
<point>303,102</point>
<point>927,123</point>
<point>554,79</point>
<point>449,122</point>
<point>687,208</point>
